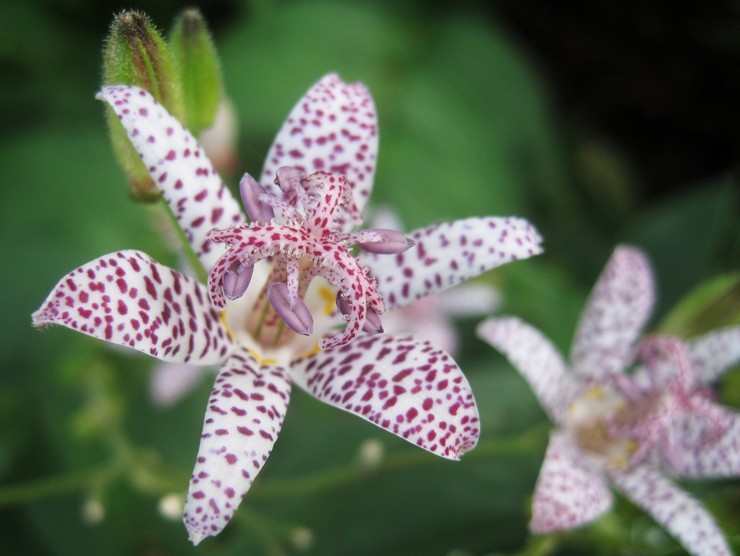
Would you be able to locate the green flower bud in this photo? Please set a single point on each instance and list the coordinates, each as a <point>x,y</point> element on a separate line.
<point>198,67</point>
<point>136,54</point>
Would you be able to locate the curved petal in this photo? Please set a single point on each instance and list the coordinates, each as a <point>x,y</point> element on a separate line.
<point>617,310</point>
<point>129,299</point>
<point>449,253</point>
<point>245,412</point>
<point>683,517</point>
<point>535,358</point>
<point>402,385</point>
<point>709,449</point>
<point>334,128</point>
<point>190,185</point>
<point>569,491</point>
<point>170,382</point>
<point>714,353</point>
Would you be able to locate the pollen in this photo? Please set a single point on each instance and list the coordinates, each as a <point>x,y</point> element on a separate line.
<point>328,297</point>
<point>225,322</point>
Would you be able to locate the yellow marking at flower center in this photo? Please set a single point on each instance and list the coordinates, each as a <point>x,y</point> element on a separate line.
<point>260,360</point>
<point>313,351</point>
<point>590,418</point>
<point>229,331</point>
<point>330,298</point>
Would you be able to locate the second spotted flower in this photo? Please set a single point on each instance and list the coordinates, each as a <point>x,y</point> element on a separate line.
<point>283,289</point>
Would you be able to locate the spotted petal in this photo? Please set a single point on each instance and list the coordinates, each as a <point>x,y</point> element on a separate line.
<point>615,314</point>
<point>402,385</point>
<point>449,253</point>
<point>685,518</point>
<point>334,128</point>
<point>714,353</point>
<point>709,449</point>
<point>244,416</point>
<point>534,357</point>
<point>129,299</point>
<point>569,491</point>
<point>178,165</point>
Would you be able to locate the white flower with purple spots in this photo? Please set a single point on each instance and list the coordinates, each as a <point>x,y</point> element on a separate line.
<point>283,288</point>
<point>629,429</point>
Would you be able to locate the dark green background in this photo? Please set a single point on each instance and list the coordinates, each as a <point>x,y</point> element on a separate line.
<point>602,123</point>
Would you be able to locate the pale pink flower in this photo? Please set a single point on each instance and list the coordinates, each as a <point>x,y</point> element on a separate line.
<point>629,430</point>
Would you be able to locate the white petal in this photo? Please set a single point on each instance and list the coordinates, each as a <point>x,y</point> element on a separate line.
<point>334,128</point>
<point>570,492</point>
<point>192,188</point>
<point>403,385</point>
<point>449,253</point>
<point>707,449</point>
<point>535,358</point>
<point>131,300</point>
<point>615,314</point>
<point>244,416</point>
<point>714,353</point>
<point>685,518</point>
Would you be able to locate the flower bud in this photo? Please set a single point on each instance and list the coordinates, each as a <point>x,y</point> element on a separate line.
<point>197,65</point>
<point>136,54</point>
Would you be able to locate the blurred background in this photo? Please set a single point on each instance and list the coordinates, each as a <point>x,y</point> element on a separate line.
<point>602,123</point>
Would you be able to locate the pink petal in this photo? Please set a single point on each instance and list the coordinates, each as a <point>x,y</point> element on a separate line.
<point>709,449</point>
<point>449,253</point>
<point>685,518</point>
<point>714,353</point>
<point>402,385</point>
<point>424,319</point>
<point>190,185</point>
<point>242,422</point>
<point>615,314</point>
<point>569,492</point>
<point>334,128</point>
<point>471,299</point>
<point>535,358</point>
<point>129,299</point>
<point>171,382</point>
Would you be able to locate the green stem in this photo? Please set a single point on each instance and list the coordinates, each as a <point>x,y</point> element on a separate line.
<point>200,272</point>
<point>52,486</point>
<point>332,478</point>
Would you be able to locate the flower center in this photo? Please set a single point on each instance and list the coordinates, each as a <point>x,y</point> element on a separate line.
<point>656,412</point>
<point>298,227</point>
<point>590,419</point>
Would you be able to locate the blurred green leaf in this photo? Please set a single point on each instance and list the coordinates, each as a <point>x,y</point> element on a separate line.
<point>689,237</point>
<point>713,304</point>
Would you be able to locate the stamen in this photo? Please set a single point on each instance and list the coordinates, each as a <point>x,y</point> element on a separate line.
<point>236,280</point>
<point>372,323</point>
<point>382,241</point>
<point>299,227</point>
<point>297,316</point>
<point>289,179</point>
<point>251,191</point>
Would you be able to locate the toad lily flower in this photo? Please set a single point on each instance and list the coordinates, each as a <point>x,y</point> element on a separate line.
<point>628,429</point>
<point>286,280</point>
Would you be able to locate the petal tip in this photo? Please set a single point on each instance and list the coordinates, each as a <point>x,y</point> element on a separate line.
<point>195,535</point>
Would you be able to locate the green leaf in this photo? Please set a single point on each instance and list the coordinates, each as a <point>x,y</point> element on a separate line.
<point>713,304</point>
